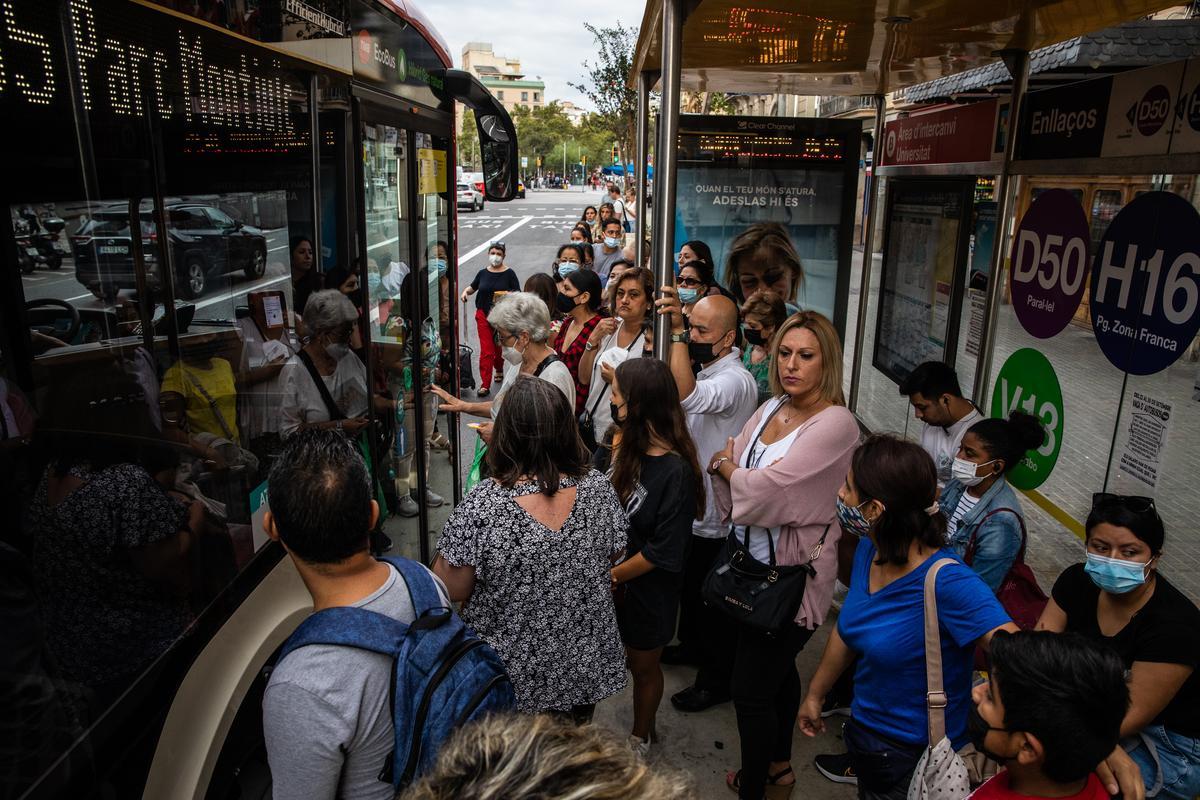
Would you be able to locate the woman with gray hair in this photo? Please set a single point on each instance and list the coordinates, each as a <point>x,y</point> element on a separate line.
<point>522,324</point>
<point>325,383</point>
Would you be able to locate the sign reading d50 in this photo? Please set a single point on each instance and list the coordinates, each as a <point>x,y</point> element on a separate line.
<point>1049,263</point>
<point>1027,383</point>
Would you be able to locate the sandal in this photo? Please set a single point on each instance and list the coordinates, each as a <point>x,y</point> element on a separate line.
<point>773,790</point>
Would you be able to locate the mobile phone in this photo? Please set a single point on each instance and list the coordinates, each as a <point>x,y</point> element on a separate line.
<point>475,425</point>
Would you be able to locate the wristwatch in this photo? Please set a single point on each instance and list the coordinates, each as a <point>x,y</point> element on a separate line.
<point>339,424</point>
<point>680,338</point>
<point>716,465</point>
<point>589,346</point>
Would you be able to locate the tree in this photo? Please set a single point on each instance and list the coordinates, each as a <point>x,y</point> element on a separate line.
<point>606,84</point>
<point>468,142</point>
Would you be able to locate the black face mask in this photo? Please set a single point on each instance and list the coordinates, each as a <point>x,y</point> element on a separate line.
<point>613,408</point>
<point>702,352</point>
<point>754,337</point>
<point>978,729</point>
<point>565,304</point>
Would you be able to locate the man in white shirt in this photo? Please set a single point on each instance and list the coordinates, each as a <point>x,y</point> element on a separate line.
<point>614,197</point>
<point>937,400</point>
<point>718,401</point>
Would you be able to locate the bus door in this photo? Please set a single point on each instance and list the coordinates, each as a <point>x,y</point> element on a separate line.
<point>407,252</point>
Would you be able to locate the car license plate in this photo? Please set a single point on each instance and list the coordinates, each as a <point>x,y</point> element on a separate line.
<point>112,249</point>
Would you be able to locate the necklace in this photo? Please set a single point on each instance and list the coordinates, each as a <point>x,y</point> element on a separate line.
<point>794,412</point>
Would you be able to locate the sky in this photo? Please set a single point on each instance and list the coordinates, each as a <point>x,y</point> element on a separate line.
<point>546,35</point>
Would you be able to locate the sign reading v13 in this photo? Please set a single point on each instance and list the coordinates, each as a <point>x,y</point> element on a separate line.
<point>1027,383</point>
<point>1049,263</point>
<point>1145,288</point>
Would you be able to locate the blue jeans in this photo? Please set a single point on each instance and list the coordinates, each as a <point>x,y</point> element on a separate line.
<point>1169,761</point>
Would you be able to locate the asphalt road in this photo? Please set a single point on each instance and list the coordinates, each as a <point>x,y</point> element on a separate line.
<point>532,231</point>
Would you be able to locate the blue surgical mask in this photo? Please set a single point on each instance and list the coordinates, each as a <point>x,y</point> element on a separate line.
<point>852,519</point>
<point>611,242</point>
<point>688,296</point>
<point>439,264</point>
<point>1116,575</point>
<point>565,268</point>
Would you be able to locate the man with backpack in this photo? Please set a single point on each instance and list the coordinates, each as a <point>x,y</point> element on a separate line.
<point>332,725</point>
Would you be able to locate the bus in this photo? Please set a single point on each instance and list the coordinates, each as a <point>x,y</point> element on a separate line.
<point>180,178</point>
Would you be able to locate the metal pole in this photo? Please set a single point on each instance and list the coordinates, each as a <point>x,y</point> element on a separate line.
<point>1017,62</point>
<point>868,256</point>
<point>643,143</point>
<point>314,145</point>
<point>668,122</point>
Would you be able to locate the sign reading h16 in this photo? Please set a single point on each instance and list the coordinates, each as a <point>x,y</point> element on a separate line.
<point>1049,263</point>
<point>1145,289</point>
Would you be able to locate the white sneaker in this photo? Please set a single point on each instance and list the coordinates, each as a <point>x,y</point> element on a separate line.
<point>639,746</point>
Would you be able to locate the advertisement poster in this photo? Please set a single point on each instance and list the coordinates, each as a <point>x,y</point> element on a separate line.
<point>734,172</point>
<point>980,265</point>
<point>925,246</point>
<point>1146,436</point>
<point>717,203</point>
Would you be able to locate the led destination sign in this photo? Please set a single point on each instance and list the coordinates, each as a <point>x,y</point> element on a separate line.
<point>124,66</point>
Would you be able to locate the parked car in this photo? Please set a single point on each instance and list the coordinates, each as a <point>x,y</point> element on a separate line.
<point>204,240</point>
<point>469,197</point>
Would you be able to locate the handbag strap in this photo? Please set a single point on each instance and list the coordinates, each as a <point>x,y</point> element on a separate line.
<point>969,552</point>
<point>331,407</point>
<point>935,695</point>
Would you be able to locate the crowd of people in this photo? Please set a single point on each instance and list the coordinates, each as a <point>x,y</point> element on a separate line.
<point>629,503</point>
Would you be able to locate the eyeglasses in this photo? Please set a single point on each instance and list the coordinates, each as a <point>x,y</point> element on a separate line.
<point>1131,502</point>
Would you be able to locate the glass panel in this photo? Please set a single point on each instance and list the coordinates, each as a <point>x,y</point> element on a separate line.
<point>154,375</point>
<point>433,236</point>
<point>390,289</point>
<point>1155,450</point>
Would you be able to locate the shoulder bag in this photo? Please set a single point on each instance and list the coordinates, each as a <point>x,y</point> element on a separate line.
<point>942,773</point>
<point>1019,592</point>
<point>763,596</point>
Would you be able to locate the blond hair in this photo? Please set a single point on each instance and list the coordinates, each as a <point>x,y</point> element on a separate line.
<point>831,354</point>
<point>543,758</point>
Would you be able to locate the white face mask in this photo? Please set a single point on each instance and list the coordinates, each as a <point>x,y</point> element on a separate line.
<point>512,355</point>
<point>337,350</point>
<point>611,242</point>
<point>495,260</point>
<point>965,472</point>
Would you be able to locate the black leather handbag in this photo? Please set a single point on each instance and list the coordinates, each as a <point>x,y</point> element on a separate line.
<point>763,596</point>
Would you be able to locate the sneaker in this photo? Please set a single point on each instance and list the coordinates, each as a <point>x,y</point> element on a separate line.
<point>837,767</point>
<point>433,499</point>
<point>639,746</point>
<point>407,507</point>
<point>483,392</point>
<point>835,705</point>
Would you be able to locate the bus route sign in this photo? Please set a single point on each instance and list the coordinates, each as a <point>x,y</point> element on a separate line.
<point>1027,383</point>
<point>1145,287</point>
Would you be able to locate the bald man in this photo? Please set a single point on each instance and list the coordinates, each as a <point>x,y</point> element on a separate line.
<point>718,400</point>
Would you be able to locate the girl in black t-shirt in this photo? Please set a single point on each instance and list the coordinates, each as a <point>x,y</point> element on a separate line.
<point>496,278</point>
<point>1119,598</point>
<point>657,476</point>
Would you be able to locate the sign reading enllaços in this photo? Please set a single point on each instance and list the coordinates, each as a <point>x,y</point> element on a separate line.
<point>1143,112</point>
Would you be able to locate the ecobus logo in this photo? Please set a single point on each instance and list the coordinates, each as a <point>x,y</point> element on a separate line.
<point>1150,113</point>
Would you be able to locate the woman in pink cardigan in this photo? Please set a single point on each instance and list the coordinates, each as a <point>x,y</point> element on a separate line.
<point>780,478</point>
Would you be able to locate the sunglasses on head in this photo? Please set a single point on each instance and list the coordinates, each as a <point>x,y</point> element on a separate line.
<point>1131,502</point>
<point>496,244</point>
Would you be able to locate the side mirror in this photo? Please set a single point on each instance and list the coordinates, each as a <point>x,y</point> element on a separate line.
<point>497,134</point>
<point>498,147</point>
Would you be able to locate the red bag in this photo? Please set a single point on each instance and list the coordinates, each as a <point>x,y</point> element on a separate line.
<point>1019,592</point>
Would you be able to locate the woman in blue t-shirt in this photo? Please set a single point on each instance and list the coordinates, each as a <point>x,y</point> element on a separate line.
<point>890,501</point>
